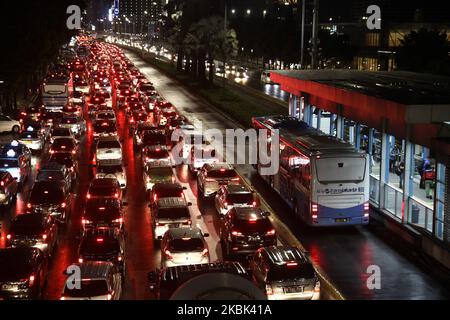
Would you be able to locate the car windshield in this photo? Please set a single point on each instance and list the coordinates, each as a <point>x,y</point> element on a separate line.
<point>50,175</point>
<point>88,288</point>
<point>69,120</point>
<point>237,198</point>
<point>154,139</point>
<point>169,192</point>
<point>174,213</point>
<point>63,143</point>
<point>9,163</point>
<point>29,135</point>
<point>160,171</point>
<point>157,153</point>
<point>46,193</point>
<point>62,158</point>
<point>250,226</point>
<point>93,245</point>
<point>28,225</point>
<point>186,245</point>
<point>104,127</point>
<point>109,168</point>
<point>290,272</point>
<point>60,132</point>
<point>108,144</point>
<point>102,191</point>
<point>222,174</point>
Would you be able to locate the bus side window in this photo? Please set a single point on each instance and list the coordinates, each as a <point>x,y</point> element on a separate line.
<point>305,175</point>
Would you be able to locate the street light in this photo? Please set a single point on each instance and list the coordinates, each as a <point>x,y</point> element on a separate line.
<point>264,13</point>
<point>248,11</point>
<point>233,11</point>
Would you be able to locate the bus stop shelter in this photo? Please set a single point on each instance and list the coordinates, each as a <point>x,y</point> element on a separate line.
<point>402,120</point>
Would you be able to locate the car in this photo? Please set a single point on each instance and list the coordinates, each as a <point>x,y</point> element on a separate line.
<point>53,171</point>
<point>188,139</point>
<point>105,115</point>
<point>123,94</point>
<point>102,212</point>
<point>23,271</point>
<point>76,124</point>
<point>144,87</point>
<point>158,171</point>
<point>184,246</point>
<point>14,149</point>
<point>155,153</point>
<point>136,117</point>
<point>100,280</point>
<point>72,110</point>
<point>51,118</point>
<point>233,195</point>
<point>104,85</point>
<point>285,273</point>
<point>153,138</point>
<point>32,139</point>
<point>9,125</point>
<point>99,108</point>
<point>8,188</point>
<point>103,244</point>
<point>243,230</point>
<point>105,188</point>
<point>58,132</point>
<point>81,84</point>
<point>111,169</point>
<point>139,132</point>
<point>34,230</point>
<point>108,148</point>
<point>31,113</point>
<point>18,165</point>
<point>201,155</point>
<point>164,282</point>
<point>77,98</point>
<point>67,160</point>
<point>170,213</point>
<point>105,128</point>
<point>212,176</point>
<point>103,97</point>
<point>37,126</point>
<point>166,190</point>
<point>50,198</point>
<point>64,145</point>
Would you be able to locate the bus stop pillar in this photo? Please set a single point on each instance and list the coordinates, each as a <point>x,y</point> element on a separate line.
<point>384,165</point>
<point>340,126</point>
<point>408,174</point>
<point>319,117</point>
<point>332,124</point>
<point>357,136</point>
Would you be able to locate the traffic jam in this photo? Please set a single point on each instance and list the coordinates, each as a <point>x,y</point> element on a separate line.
<point>88,157</point>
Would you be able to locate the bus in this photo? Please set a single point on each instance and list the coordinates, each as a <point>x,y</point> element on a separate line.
<point>55,93</point>
<point>323,179</point>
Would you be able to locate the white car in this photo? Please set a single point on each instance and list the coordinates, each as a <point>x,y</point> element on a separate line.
<point>61,133</point>
<point>100,280</point>
<point>8,124</point>
<point>189,139</point>
<point>105,115</point>
<point>108,148</point>
<point>201,155</point>
<point>184,246</point>
<point>112,169</point>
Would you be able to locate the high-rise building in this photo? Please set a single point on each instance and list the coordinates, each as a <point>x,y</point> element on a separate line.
<point>141,14</point>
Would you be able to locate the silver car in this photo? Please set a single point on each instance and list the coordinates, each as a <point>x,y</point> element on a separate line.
<point>212,176</point>
<point>184,246</point>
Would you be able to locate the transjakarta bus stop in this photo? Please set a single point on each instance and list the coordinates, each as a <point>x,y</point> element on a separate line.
<point>402,120</point>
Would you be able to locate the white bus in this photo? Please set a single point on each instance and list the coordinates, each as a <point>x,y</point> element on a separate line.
<point>55,93</point>
<point>323,179</point>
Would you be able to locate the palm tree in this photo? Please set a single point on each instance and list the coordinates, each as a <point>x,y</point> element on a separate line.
<point>424,51</point>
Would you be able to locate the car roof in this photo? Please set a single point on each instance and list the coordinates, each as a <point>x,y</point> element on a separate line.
<point>283,254</point>
<point>218,166</point>
<point>244,213</point>
<point>180,233</point>
<point>99,182</point>
<point>171,202</point>
<point>30,218</point>
<point>236,188</point>
<point>52,166</point>
<point>186,272</point>
<point>167,186</point>
<point>94,269</point>
<point>159,164</point>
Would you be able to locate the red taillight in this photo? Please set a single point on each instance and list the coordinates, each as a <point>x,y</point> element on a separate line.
<point>63,205</point>
<point>270,232</point>
<point>120,220</point>
<point>314,207</point>
<point>235,179</point>
<point>44,236</point>
<point>8,237</point>
<point>204,252</point>
<point>74,152</point>
<point>29,205</point>
<point>269,290</point>
<point>31,279</point>
<point>88,196</point>
<point>116,195</point>
<point>155,197</point>
<point>254,203</point>
<point>209,180</point>
<point>99,240</point>
<point>291,264</point>
<point>225,204</point>
<point>2,183</point>
<point>109,296</point>
<point>317,287</point>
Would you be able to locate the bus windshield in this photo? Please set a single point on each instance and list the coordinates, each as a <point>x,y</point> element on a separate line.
<point>342,169</point>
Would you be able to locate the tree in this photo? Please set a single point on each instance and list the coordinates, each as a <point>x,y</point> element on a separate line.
<point>424,51</point>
